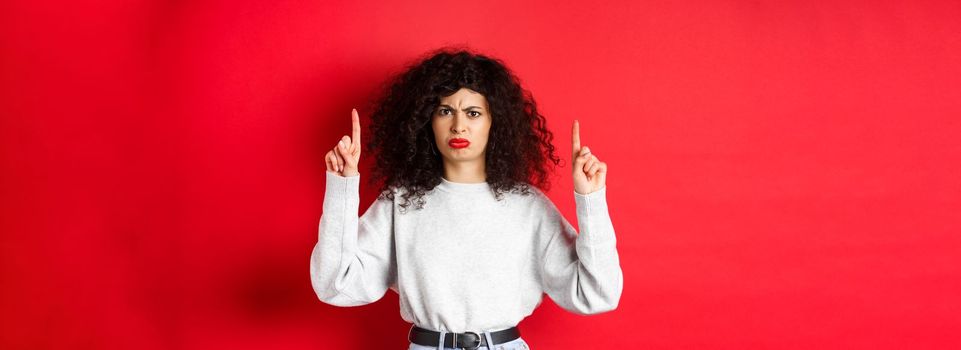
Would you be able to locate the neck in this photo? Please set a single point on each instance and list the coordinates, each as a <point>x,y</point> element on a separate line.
<point>465,172</point>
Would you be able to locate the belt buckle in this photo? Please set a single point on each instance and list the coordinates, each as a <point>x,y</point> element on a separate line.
<point>471,347</point>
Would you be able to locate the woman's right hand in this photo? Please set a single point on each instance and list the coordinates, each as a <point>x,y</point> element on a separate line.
<point>345,156</point>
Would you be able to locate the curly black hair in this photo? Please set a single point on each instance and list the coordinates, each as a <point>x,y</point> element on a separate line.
<point>519,147</point>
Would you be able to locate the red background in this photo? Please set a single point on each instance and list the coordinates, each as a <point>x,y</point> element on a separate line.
<point>782,174</point>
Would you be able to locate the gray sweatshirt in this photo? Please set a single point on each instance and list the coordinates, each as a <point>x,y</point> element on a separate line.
<point>465,261</point>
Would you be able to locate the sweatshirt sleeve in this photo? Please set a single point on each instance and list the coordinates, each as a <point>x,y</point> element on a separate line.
<point>353,261</point>
<point>581,272</point>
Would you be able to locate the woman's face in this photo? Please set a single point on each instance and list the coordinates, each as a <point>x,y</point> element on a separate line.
<point>461,125</point>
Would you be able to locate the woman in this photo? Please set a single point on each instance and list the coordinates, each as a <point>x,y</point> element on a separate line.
<point>461,143</point>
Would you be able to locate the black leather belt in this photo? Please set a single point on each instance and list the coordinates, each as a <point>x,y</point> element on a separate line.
<point>466,340</point>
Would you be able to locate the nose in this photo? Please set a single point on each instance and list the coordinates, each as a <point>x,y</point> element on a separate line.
<point>460,124</point>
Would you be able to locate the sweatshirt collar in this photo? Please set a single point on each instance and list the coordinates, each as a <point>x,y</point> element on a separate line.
<point>449,186</point>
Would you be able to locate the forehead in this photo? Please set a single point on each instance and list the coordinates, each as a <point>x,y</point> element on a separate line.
<point>464,97</point>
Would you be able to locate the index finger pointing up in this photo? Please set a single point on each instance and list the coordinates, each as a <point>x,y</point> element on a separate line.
<point>576,137</point>
<point>355,120</point>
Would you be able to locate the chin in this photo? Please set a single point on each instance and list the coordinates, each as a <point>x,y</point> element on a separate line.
<point>462,155</point>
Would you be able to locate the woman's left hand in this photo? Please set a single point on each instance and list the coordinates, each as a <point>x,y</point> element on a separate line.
<point>589,172</point>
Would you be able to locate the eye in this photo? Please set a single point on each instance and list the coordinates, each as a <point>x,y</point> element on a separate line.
<point>442,111</point>
<point>478,113</point>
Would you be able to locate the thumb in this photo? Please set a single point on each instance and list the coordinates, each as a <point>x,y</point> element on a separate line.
<point>581,158</point>
<point>345,153</point>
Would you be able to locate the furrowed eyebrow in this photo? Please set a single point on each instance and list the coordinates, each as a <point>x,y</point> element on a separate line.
<point>465,109</point>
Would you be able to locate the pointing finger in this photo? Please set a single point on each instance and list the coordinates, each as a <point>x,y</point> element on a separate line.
<point>355,120</point>
<point>576,137</point>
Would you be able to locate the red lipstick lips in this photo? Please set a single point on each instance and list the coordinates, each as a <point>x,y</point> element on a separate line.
<point>458,143</point>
